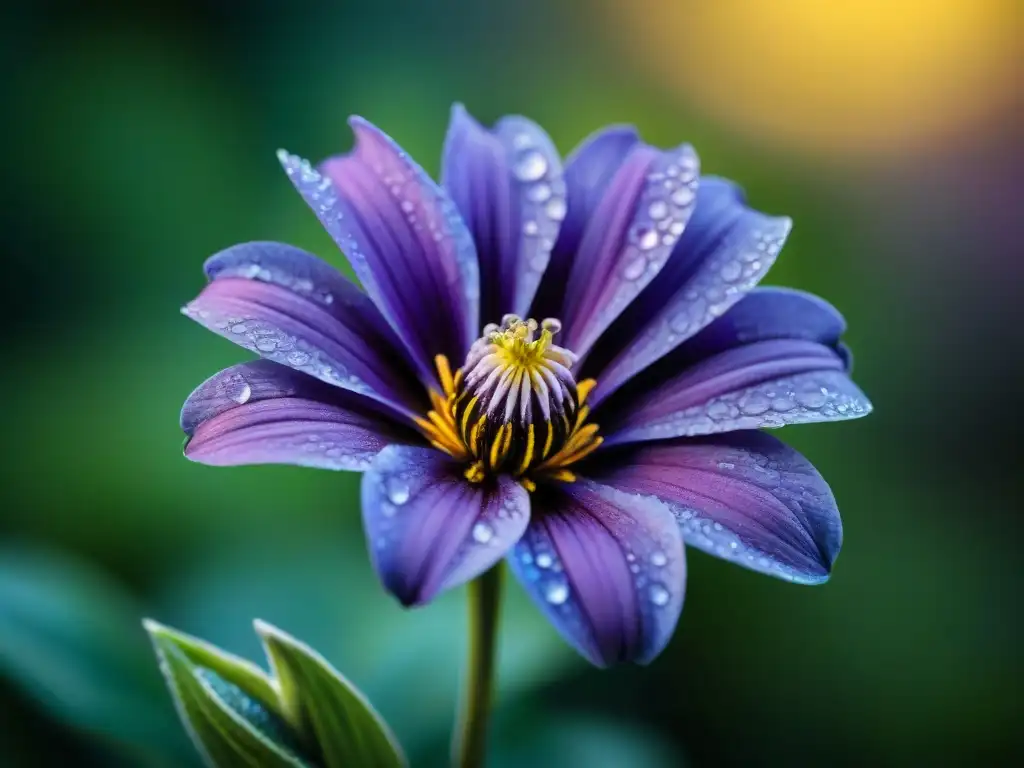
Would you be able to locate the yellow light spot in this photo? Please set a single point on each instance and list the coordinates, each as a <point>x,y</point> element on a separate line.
<point>861,77</point>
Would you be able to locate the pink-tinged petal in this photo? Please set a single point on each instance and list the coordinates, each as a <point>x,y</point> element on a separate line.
<point>766,384</point>
<point>745,497</point>
<point>264,413</point>
<point>588,171</point>
<point>627,239</point>
<point>404,238</point>
<point>429,529</point>
<point>724,252</point>
<point>278,302</point>
<point>606,567</point>
<point>508,186</point>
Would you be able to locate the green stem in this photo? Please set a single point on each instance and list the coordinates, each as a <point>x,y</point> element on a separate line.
<point>484,597</point>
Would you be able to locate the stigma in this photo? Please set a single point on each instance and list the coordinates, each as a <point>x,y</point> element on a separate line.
<point>514,407</point>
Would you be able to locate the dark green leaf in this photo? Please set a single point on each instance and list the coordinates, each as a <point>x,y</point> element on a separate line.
<point>230,728</point>
<point>322,703</point>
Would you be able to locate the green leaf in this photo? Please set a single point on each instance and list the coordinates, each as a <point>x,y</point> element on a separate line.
<point>240,672</point>
<point>229,728</point>
<point>323,704</point>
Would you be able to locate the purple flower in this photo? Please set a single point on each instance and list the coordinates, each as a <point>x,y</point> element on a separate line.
<point>583,448</point>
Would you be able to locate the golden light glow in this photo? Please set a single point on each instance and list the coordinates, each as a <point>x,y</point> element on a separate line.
<point>853,76</point>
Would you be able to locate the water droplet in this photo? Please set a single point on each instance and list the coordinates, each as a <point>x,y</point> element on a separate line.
<point>266,345</point>
<point>238,328</point>
<point>683,196</point>
<point>732,270</point>
<point>754,404</point>
<point>397,490</point>
<point>555,209</point>
<point>634,269</point>
<point>645,237</point>
<point>531,166</point>
<point>658,210</point>
<point>482,532</point>
<point>556,592</point>
<point>242,393</point>
<point>544,560</point>
<point>659,559</point>
<point>538,193</point>
<point>530,228</point>
<point>659,594</point>
<point>726,465</point>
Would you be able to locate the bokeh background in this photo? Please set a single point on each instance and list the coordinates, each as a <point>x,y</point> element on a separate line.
<point>142,141</point>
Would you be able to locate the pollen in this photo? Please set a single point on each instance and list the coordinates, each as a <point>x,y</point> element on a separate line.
<point>514,407</point>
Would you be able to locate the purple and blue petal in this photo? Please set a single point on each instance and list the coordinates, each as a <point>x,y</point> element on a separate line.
<point>765,314</point>
<point>606,567</point>
<point>724,252</point>
<point>588,171</point>
<point>405,240</point>
<point>627,240</point>
<point>507,183</point>
<point>744,497</point>
<point>264,413</point>
<point>429,529</point>
<point>289,307</point>
<point>761,385</point>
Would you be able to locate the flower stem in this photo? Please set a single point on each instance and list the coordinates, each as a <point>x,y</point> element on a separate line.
<point>484,598</point>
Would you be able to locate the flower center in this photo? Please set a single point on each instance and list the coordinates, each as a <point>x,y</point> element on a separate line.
<point>514,406</point>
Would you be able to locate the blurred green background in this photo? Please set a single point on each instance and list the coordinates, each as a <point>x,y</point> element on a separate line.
<point>142,141</point>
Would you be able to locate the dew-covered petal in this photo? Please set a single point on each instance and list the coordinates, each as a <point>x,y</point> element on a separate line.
<point>404,238</point>
<point>429,529</point>
<point>264,413</point>
<point>606,567</point>
<point>725,250</point>
<point>508,186</point>
<point>762,315</point>
<point>745,497</point>
<point>588,170</point>
<point>766,384</point>
<point>273,300</point>
<point>627,239</point>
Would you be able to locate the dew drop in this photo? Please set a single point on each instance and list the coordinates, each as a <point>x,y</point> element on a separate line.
<point>531,166</point>
<point>482,532</point>
<point>242,394</point>
<point>658,210</point>
<point>530,228</point>
<point>659,594</point>
<point>731,271</point>
<point>538,193</point>
<point>683,196</point>
<point>645,237</point>
<point>634,269</point>
<point>556,592</point>
<point>266,345</point>
<point>658,559</point>
<point>397,490</point>
<point>555,209</point>
<point>544,560</point>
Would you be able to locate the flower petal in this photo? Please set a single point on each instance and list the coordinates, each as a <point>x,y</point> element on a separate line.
<point>606,567</point>
<point>404,238</point>
<point>429,528</point>
<point>724,252</point>
<point>288,306</point>
<point>766,384</point>
<point>588,171</point>
<point>508,185</point>
<point>745,497</point>
<point>264,413</point>
<point>762,315</point>
<point>627,239</point>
